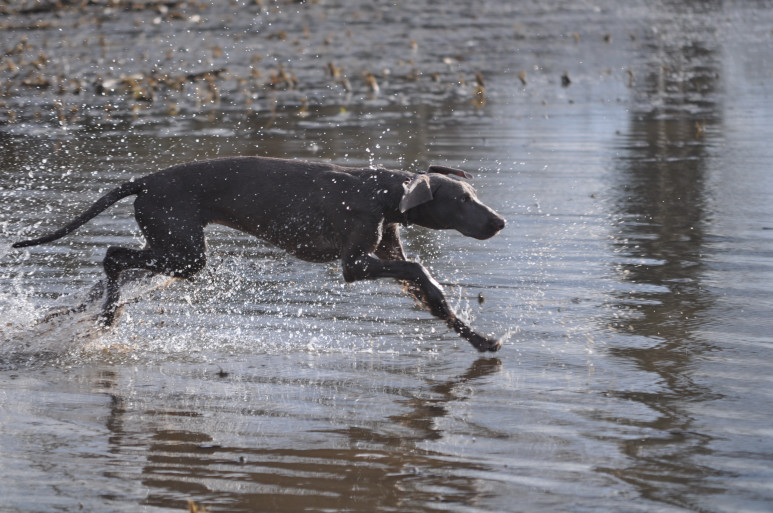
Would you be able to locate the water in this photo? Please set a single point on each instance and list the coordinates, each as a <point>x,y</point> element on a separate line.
<point>632,281</point>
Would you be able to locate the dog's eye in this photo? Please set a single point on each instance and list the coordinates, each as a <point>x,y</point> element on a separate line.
<point>466,198</point>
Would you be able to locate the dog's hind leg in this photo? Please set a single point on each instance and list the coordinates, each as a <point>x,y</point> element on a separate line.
<point>175,247</point>
<point>118,259</point>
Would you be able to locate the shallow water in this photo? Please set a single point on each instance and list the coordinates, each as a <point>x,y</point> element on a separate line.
<point>632,283</point>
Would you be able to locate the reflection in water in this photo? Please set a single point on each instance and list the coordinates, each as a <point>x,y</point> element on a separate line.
<point>376,465</point>
<point>332,400</point>
<point>662,204</point>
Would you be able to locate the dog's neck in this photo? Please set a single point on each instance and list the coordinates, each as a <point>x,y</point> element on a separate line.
<point>387,192</point>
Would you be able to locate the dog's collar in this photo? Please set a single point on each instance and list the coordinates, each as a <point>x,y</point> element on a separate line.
<point>404,220</point>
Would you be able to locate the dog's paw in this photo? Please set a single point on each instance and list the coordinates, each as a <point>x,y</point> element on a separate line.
<point>494,345</point>
<point>484,344</point>
<point>479,342</point>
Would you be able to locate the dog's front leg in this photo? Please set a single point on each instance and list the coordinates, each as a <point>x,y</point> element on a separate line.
<point>368,267</point>
<point>391,248</point>
<point>364,267</point>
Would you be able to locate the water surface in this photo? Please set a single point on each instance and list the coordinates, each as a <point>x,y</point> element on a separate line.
<point>632,283</point>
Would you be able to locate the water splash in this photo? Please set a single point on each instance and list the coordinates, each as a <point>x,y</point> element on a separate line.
<point>371,158</point>
<point>33,334</point>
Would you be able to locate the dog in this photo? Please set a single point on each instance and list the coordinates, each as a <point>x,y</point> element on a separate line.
<point>317,212</point>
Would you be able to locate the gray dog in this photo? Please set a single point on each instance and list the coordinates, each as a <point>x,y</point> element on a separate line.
<point>317,212</point>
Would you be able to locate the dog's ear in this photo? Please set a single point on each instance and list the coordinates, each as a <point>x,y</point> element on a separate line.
<point>450,171</point>
<point>417,191</point>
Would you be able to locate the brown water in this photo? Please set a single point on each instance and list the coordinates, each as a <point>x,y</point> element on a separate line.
<point>632,283</point>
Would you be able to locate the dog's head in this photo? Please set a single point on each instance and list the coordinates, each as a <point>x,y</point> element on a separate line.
<point>434,200</point>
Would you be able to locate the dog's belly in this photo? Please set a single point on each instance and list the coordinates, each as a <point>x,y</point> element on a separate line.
<point>308,238</point>
<point>303,245</point>
<point>301,241</point>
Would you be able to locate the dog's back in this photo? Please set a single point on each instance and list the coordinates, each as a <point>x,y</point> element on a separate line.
<point>304,208</point>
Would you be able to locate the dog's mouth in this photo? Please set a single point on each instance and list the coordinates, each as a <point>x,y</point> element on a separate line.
<point>491,228</point>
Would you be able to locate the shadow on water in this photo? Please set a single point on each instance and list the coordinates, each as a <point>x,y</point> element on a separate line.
<point>662,202</point>
<point>377,465</point>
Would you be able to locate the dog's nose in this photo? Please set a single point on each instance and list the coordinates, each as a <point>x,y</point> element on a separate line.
<point>493,226</point>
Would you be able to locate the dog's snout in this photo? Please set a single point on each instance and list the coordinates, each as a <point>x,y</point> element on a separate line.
<point>493,225</point>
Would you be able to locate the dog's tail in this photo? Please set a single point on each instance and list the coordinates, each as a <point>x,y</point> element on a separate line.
<point>127,189</point>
